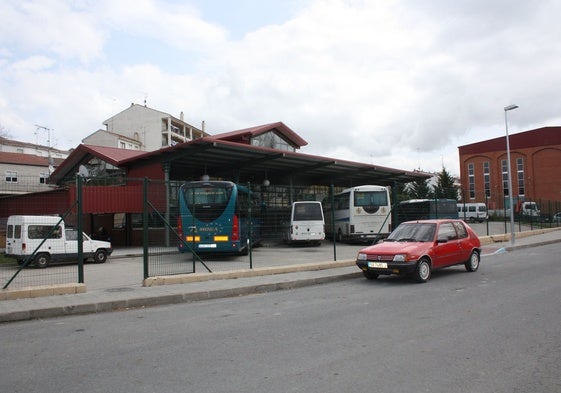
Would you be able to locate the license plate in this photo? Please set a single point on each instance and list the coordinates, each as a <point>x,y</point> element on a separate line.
<point>378,265</point>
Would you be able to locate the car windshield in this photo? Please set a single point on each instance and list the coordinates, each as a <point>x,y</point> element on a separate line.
<point>413,232</point>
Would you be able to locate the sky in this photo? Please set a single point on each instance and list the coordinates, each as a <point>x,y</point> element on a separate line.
<point>395,83</point>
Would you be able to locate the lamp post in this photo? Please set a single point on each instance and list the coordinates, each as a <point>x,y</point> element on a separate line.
<point>509,108</point>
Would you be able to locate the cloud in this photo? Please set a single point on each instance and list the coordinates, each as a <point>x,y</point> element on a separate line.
<point>398,83</point>
<point>50,27</point>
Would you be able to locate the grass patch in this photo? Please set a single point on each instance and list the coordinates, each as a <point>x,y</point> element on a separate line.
<point>4,260</point>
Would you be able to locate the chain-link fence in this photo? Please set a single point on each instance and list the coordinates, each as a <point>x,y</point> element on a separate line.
<point>221,226</point>
<point>33,242</point>
<point>527,210</point>
<point>214,226</point>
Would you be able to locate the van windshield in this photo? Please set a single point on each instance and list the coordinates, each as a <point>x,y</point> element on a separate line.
<point>307,212</point>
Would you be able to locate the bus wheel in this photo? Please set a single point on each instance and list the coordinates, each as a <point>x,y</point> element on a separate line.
<point>42,260</point>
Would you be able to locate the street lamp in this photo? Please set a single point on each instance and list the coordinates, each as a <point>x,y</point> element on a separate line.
<point>508,171</point>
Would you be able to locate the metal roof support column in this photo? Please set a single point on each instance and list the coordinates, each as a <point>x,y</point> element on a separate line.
<point>290,191</point>
<point>394,204</point>
<point>332,212</point>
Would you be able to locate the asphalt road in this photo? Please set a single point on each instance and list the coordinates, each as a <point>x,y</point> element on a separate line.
<point>496,330</point>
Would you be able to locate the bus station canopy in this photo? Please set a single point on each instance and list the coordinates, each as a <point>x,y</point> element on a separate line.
<point>247,163</point>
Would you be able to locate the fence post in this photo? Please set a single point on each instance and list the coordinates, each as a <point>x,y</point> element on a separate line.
<point>332,212</point>
<point>250,230</point>
<point>166,166</point>
<point>80,224</point>
<point>145,228</point>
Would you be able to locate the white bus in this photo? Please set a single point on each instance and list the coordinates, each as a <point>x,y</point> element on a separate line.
<point>361,213</point>
<point>472,212</point>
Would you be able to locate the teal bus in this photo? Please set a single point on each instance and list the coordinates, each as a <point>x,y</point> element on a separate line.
<point>217,217</point>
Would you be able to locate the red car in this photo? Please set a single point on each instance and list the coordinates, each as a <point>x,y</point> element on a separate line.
<point>417,248</point>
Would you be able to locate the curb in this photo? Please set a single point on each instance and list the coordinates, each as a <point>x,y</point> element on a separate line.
<point>172,298</point>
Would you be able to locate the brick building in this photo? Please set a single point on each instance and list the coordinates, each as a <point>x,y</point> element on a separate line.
<point>535,169</point>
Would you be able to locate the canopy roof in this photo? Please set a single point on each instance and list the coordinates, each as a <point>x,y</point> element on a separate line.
<point>226,156</point>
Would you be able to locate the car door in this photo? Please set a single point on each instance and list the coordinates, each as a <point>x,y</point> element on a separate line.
<point>464,248</point>
<point>447,249</point>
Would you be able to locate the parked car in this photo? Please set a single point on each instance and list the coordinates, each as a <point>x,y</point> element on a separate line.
<point>416,248</point>
<point>556,219</point>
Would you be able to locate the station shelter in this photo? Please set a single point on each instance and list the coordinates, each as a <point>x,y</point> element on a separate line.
<point>265,157</point>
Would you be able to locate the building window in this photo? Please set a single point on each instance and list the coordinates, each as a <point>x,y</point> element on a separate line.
<point>43,178</point>
<point>505,177</point>
<point>11,176</point>
<point>520,172</point>
<point>471,180</point>
<point>487,179</point>
<point>271,140</point>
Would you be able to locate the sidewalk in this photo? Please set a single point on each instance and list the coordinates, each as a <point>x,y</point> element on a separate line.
<point>204,286</point>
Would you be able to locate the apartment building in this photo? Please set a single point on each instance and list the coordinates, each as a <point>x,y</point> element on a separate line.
<point>142,128</point>
<point>25,167</point>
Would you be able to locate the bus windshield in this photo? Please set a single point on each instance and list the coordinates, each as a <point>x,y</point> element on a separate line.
<point>370,201</point>
<point>207,202</point>
<point>307,212</point>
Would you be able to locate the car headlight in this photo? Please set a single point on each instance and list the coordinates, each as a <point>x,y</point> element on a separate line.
<point>400,258</point>
<point>361,256</point>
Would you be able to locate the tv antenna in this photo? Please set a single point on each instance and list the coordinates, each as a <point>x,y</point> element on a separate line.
<point>48,133</point>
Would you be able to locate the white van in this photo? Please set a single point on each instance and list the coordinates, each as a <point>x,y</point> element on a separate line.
<point>47,238</point>
<point>472,212</point>
<point>306,223</point>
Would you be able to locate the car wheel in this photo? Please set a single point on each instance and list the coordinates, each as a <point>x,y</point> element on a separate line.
<point>42,260</point>
<point>473,263</point>
<point>370,275</point>
<point>422,271</point>
<point>100,256</point>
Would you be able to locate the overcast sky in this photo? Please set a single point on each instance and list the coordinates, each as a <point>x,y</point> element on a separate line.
<point>394,83</point>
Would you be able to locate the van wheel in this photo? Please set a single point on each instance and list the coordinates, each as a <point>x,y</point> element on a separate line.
<point>100,256</point>
<point>42,260</point>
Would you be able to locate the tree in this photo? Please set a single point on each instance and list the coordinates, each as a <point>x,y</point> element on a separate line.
<point>400,190</point>
<point>418,189</point>
<point>445,187</point>
<point>4,132</point>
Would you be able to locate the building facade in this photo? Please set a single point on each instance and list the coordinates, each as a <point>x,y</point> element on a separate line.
<point>111,139</point>
<point>26,167</point>
<point>535,169</point>
<point>143,128</point>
